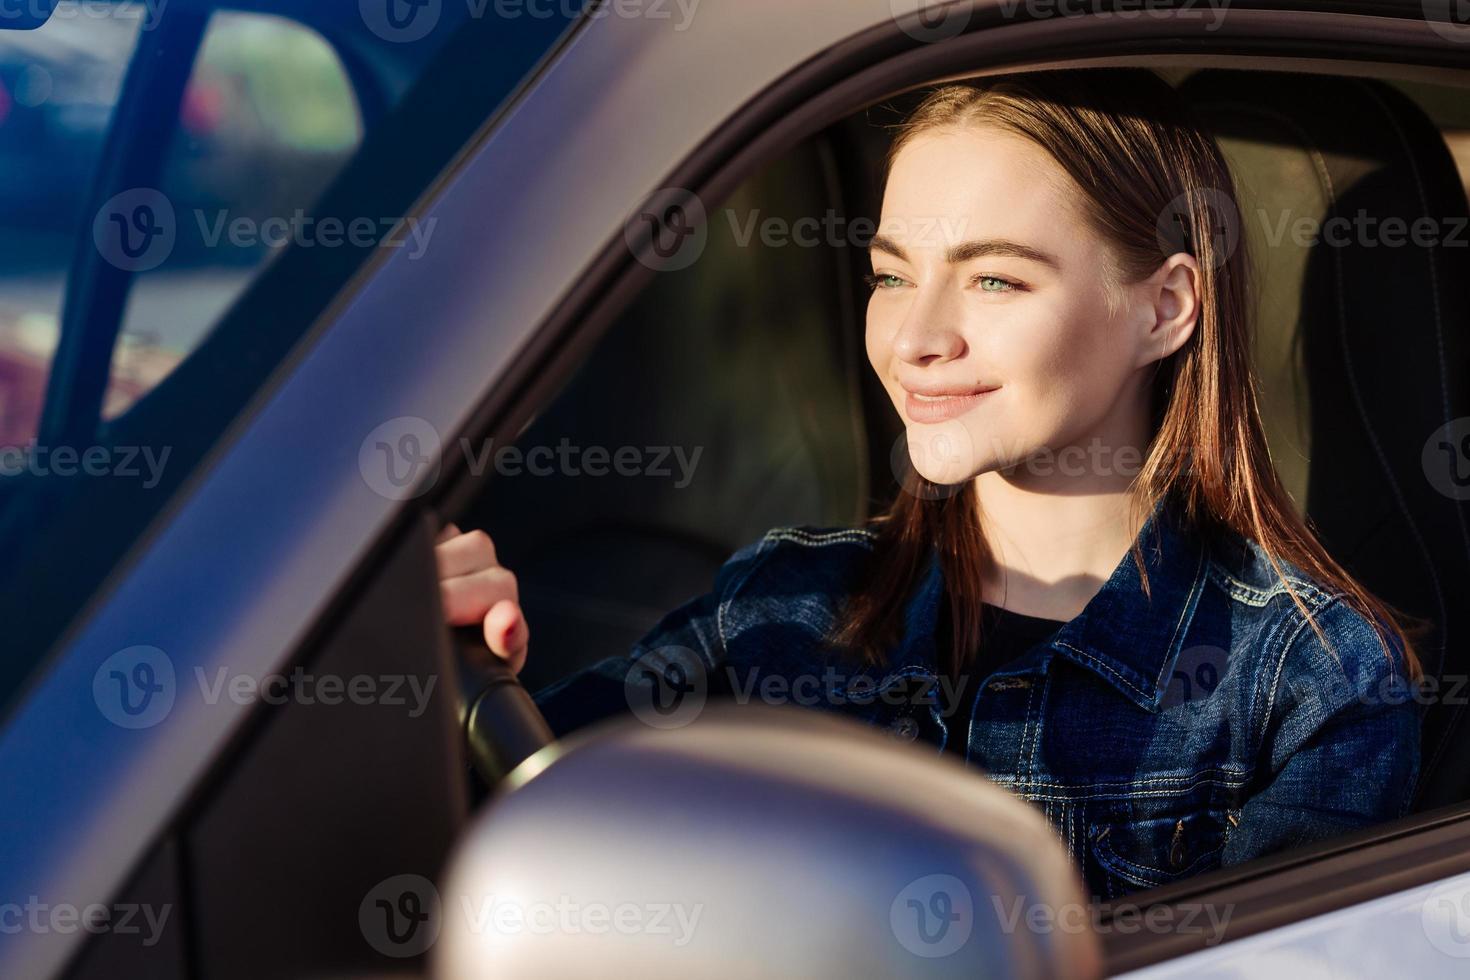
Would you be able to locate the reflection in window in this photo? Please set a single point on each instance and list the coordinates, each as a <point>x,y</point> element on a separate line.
<point>58,86</point>
<point>268,119</point>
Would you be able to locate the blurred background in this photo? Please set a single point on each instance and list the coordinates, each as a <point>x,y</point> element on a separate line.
<point>268,119</point>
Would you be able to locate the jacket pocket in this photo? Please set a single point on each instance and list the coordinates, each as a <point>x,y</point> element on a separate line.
<point>1137,853</point>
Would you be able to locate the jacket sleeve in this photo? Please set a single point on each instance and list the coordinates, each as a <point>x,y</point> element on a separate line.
<point>668,674</point>
<point>1341,743</point>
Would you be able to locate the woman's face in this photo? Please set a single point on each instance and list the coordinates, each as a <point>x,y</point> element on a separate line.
<point>989,322</point>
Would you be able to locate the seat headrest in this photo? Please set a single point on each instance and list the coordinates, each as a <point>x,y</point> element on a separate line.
<point>1356,219</point>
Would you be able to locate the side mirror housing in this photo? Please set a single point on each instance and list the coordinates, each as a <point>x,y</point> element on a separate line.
<point>755,841</point>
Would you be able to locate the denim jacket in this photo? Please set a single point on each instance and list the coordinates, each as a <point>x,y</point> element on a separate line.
<point>1160,737</point>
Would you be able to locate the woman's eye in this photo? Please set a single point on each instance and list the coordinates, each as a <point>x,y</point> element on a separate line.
<point>883,281</point>
<point>995,284</point>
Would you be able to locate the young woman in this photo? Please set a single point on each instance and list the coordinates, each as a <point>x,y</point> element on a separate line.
<point>1094,588</point>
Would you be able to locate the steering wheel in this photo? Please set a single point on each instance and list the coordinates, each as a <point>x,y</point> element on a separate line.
<point>502,725</point>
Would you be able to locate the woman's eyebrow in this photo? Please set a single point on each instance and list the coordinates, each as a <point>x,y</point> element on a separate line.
<point>965,251</point>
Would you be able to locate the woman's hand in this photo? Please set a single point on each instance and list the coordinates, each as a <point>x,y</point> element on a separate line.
<point>474,589</point>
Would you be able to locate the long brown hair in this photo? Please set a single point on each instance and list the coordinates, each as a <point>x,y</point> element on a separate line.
<point>1153,183</point>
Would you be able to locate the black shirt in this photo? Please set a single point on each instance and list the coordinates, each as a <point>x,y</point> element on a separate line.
<point>1005,635</point>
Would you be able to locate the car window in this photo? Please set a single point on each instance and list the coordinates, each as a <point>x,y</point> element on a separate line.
<point>139,317</point>
<point>268,118</point>
<point>58,86</point>
<point>269,115</point>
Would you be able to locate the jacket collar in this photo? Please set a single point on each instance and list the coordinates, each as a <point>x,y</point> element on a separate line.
<point>1129,639</point>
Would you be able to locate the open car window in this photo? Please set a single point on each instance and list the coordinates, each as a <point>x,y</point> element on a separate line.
<point>195,186</point>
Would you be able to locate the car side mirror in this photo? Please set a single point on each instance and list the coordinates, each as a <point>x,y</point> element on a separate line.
<point>758,840</point>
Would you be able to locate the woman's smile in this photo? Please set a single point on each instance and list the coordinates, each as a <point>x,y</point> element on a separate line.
<point>940,404</point>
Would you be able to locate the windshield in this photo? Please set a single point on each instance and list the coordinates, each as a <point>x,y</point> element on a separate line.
<point>189,188</point>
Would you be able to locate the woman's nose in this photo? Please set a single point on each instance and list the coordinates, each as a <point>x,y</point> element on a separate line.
<point>929,333</point>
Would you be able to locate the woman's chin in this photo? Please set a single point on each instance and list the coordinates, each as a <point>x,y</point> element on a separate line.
<point>942,454</point>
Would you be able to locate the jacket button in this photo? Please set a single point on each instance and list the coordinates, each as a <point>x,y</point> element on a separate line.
<point>904,729</point>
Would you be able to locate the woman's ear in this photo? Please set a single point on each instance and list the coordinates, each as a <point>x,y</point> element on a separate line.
<point>1171,307</point>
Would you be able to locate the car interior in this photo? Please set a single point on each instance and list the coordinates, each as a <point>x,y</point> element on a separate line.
<point>753,357</point>
<point>773,383</point>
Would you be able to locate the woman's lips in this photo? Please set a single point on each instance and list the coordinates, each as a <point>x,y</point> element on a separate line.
<point>939,408</point>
